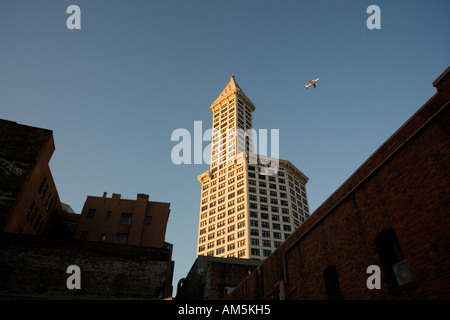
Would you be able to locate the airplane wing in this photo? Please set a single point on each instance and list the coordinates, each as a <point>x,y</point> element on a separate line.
<point>314,85</point>
<point>310,81</point>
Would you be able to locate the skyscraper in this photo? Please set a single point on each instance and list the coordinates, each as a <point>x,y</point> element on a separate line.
<point>249,203</point>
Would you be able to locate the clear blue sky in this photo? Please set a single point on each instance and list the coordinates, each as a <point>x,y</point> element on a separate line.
<point>114,91</point>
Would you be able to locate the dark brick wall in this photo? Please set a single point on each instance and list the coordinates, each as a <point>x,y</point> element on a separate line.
<point>34,267</point>
<point>403,186</point>
<point>211,277</point>
<point>24,156</point>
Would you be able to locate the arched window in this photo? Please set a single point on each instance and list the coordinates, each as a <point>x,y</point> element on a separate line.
<point>392,259</point>
<point>332,283</point>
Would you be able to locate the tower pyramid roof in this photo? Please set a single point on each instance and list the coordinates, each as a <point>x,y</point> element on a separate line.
<point>231,88</point>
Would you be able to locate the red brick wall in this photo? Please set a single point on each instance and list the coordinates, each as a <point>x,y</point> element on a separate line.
<point>403,186</point>
<point>34,267</point>
<point>24,155</point>
<point>223,276</point>
<point>210,277</point>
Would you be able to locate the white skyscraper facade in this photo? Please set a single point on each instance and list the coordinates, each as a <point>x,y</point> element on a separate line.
<point>249,203</point>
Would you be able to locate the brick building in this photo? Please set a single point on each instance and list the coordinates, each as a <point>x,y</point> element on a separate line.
<point>35,267</point>
<point>393,212</point>
<point>135,222</point>
<point>29,201</point>
<point>37,231</point>
<point>213,278</point>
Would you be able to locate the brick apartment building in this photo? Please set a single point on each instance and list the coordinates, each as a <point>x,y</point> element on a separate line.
<point>137,222</point>
<point>393,212</point>
<point>29,201</point>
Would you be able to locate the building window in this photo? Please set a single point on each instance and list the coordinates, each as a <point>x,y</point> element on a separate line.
<point>30,210</point>
<point>332,283</point>
<point>393,260</point>
<point>84,235</point>
<point>266,253</point>
<point>42,186</point>
<point>125,218</point>
<point>121,238</point>
<point>90,213</point>
<point>103,237</point>
<point>148,220</point>
<point>108,215</point>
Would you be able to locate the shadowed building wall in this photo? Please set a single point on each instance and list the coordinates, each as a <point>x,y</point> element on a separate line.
<point>393,212</point>
<point>29,201</point>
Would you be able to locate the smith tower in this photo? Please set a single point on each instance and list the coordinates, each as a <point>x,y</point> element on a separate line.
<point>244,211</point>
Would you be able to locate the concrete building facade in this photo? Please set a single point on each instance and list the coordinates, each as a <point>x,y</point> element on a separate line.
<point>249,203</point>
<point>391,215</point>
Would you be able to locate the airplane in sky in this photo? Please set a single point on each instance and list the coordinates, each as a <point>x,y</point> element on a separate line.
<point>312,83</point>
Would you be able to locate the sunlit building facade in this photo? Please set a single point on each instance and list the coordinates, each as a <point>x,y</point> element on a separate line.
<point>249,203</point>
